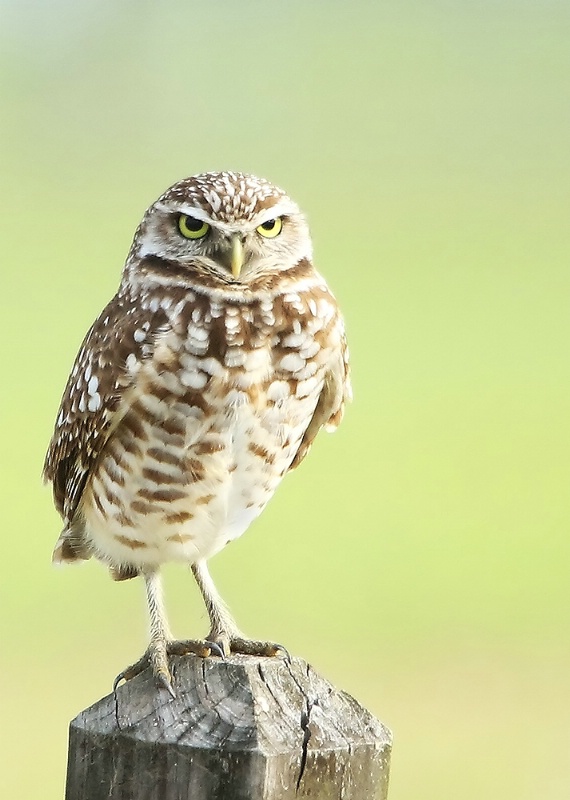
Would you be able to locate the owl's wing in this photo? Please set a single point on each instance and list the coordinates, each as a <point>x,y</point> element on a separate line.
<point>336,392</point>
<point>120,338</point>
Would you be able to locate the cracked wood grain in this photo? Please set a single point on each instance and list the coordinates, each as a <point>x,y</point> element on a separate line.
<point>245,728</point>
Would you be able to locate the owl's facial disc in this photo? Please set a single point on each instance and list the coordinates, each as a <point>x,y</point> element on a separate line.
<point>232,242</point>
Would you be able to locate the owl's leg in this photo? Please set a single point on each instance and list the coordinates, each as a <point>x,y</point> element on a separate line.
<point>159,629</point>
<point>161,644</point>
<point>223,629</point>
<point>156,653</point>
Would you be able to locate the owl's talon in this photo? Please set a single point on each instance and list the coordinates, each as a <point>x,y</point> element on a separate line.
<point>184,647</point>
<point>250,647</point>
<point>216,650</point>
<point>198,647</point>
<point>132,671</point>
<point>286,653</point>
<point>165,683</point>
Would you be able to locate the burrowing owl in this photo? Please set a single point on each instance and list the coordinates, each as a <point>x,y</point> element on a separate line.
<point>203,381</point>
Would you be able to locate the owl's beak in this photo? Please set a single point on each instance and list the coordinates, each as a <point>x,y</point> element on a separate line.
<point>237,255</point>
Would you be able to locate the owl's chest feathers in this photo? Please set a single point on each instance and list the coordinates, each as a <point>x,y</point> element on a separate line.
<point>210,425</point>
<point>235,371</point>
<point>234,361</point>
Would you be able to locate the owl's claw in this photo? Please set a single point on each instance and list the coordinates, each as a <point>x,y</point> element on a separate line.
<point>200,647</point>
<point>163,678</point>
<point>132,671</point>
<point>255,648</point>
<point>156,658</point>
<point>165,682</point>
<point>248,647</point>
<point>216,649</point>
<point>286,653</point>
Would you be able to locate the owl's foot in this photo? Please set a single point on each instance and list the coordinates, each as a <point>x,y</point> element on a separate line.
<point>249,647</point>
<point>156,657</point>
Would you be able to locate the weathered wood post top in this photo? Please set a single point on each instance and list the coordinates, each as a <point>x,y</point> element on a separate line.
<point>246,728</point>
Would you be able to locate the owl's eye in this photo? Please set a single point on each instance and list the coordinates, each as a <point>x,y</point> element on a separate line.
<point>192,228</point>
<point>270,228</point>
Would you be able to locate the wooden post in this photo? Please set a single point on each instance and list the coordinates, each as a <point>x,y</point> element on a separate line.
<point>241,729</point>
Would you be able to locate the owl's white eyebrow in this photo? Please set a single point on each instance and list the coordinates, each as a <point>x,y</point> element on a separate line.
<point>280,209</point>
<point>191,211</point>
<point>284,206</point>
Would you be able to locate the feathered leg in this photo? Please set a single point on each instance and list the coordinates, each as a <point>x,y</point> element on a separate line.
<point>161,644</point>
<point>223,630</point>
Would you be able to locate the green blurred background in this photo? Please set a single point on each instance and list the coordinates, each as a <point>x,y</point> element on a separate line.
<point>420,558</point>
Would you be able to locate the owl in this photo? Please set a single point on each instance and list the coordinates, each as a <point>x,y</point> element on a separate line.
<point>199,386</point>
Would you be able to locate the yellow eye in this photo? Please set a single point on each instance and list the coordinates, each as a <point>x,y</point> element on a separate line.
<point>270,228</point>
<point>192,228</point>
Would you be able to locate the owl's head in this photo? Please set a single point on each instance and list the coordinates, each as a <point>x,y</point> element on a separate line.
<point>226,227</point>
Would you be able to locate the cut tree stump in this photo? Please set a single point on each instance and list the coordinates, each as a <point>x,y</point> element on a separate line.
<point>245,728</point>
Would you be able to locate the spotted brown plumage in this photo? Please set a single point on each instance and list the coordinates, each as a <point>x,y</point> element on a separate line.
<point>203,381</point>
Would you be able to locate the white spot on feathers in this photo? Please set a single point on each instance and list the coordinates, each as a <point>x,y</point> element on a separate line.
<point>292,362</point>
<point>194,380</point>
<point>93,385</point>
<point>310,349</point>
<point>278,390</point>
<point>294,340</point>
<point>212,366</point>
<point>198,333</point>
<point>234,357</point>
<point>214,200</point>
<point>306,387</point>
<point>94,403</point>
<point>307,372</point>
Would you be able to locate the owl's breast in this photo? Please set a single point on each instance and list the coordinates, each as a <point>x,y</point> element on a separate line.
<point>182,476</point>
<point>207,431</point>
